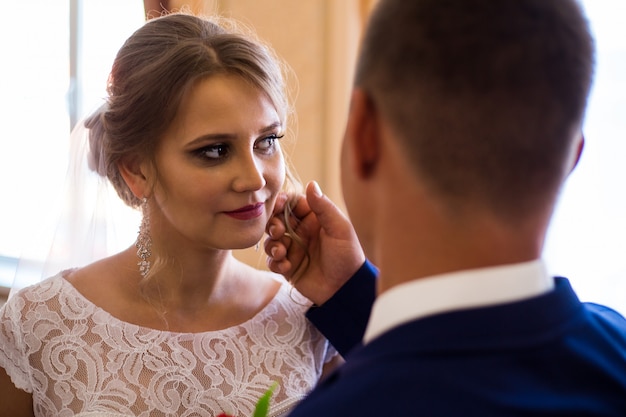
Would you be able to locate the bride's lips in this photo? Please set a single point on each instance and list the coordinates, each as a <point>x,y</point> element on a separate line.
<point>248,212</point>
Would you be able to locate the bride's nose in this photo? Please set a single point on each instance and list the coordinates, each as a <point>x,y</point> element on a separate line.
<point>249,174</point>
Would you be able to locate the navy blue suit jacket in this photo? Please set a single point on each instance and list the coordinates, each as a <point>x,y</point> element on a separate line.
<point>547,356</point>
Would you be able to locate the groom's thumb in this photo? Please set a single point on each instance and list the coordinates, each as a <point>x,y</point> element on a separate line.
<point>328,214</point>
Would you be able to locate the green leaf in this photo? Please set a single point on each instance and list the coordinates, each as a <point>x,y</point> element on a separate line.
<point>263,406</point>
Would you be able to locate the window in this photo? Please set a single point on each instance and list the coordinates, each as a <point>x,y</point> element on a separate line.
<point>587,240</point>
<point>39,101</point>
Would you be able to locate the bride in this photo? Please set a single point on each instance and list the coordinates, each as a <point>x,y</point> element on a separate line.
<point>173,325</point>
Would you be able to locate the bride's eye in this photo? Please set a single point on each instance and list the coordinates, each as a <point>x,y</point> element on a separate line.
<point>268,143</point>
<point>213,152</point>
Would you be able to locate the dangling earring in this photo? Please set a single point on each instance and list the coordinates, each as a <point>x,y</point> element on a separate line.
<point>144,241</point>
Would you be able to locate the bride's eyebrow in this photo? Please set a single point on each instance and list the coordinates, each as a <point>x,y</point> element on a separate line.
<point>212,137</point>
<point>231,136</point>
<point>271,128</point>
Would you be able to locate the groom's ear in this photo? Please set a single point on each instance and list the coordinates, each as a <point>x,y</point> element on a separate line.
<point>580,145</point>
<point>362,134</point>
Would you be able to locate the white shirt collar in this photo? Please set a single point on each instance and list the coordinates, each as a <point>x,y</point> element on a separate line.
<point>457,290</point>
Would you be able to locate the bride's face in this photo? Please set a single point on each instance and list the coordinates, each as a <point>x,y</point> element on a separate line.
<point>220,167</point>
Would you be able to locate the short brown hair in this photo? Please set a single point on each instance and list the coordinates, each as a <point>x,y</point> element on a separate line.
<point>485,95</point>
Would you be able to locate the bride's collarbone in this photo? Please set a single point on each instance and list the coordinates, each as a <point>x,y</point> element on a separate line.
<point>118,292</point>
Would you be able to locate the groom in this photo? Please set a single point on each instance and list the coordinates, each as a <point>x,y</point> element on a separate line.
<point>465,121</point>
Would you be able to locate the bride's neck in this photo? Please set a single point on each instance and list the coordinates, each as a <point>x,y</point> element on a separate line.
<point>188,279</point>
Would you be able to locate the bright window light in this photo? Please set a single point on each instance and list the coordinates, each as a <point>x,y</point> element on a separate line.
<point>587,240</point>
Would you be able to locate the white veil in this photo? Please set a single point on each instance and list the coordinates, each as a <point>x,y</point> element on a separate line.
<point>87,222</point>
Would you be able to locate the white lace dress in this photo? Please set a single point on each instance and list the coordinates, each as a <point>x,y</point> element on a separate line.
<point>78,360</point>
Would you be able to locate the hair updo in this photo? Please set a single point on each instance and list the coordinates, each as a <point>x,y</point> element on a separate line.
<point>152,72</point>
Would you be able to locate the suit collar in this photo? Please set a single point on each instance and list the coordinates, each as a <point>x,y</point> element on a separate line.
<point>522,323</point>
<point>458,290</point>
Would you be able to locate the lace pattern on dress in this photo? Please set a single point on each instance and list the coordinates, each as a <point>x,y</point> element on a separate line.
<point>75,358</point>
